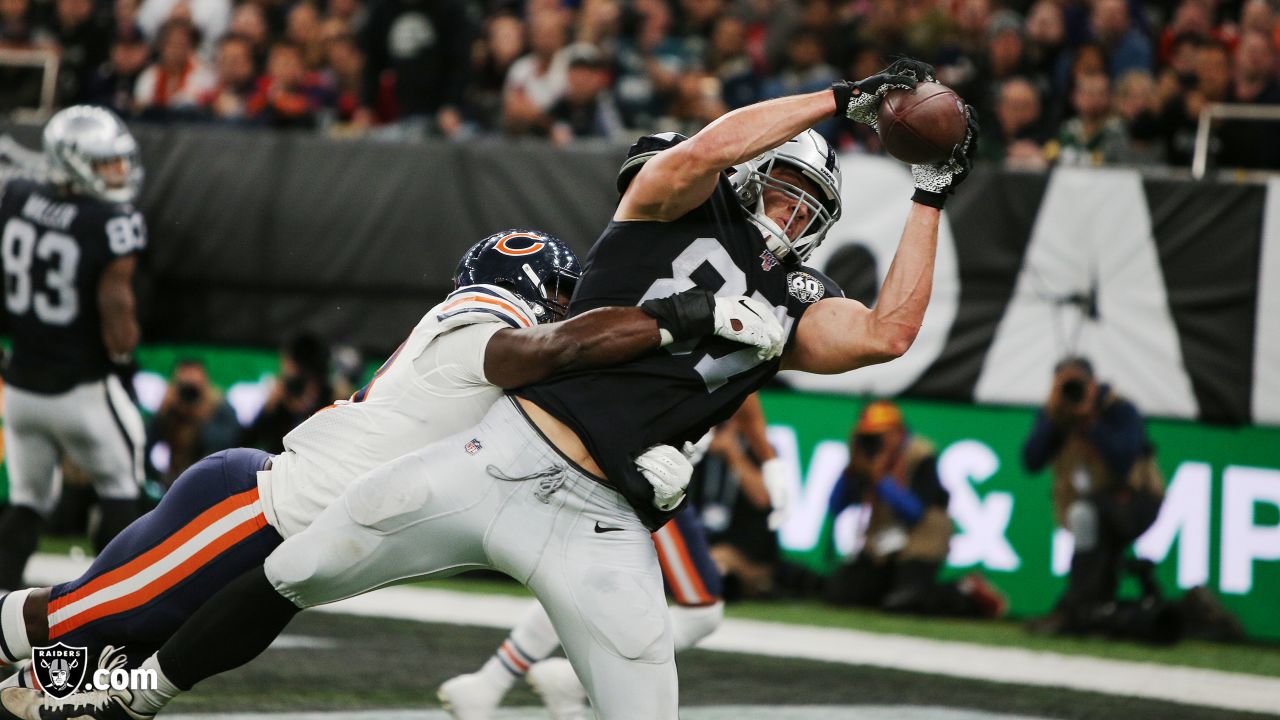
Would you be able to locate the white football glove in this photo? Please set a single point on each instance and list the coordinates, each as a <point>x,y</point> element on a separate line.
<point>750,322</point>
<point>779,489</point>
<point>668,471</point>
<point>695,451</point>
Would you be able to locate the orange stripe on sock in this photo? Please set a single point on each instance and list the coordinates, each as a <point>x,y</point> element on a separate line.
<point>700,595</point>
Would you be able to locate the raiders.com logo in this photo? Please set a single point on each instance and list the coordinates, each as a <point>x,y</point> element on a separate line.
<point>59,670</point>
<point>805,287</point>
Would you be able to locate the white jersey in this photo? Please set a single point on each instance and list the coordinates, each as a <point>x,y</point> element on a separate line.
<point>431,387</point>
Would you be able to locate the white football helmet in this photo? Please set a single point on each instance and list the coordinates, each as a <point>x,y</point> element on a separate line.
<point>812,156</point>
<point>80,138</point>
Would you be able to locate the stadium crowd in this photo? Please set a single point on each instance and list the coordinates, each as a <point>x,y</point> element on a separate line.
<point>1071,81</point>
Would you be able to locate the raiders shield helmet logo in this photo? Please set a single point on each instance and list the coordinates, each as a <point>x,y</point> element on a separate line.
<point>59,669</point>
<point>804,287</point>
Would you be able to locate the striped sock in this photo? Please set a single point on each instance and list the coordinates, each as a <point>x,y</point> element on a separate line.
<point>14,644</point>
<point>508,664</point>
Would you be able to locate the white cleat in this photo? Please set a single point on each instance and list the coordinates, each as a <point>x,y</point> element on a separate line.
<point>560,689</point>
<point>469,697</point>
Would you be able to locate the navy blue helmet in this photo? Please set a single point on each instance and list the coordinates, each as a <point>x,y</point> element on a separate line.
<point>538,267</point>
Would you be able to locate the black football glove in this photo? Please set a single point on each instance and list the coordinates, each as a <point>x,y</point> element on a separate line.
<point>935,182</point>
<point>860,101</point>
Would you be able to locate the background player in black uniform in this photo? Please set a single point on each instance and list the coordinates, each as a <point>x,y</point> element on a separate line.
<point>70,248</point>
<point>539,488</point>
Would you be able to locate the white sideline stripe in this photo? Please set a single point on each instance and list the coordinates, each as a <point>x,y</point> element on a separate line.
<point>715,712</point>
<point>156,570</point>
<point>1171,683</point>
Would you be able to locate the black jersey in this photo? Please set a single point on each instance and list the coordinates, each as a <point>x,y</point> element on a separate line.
<point>679,393</point>
<point>55,247</point>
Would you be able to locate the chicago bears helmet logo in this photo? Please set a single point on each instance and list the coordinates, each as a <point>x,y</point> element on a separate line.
<point>59,669</point>
<point>805,287</point>
<point>519,243</point>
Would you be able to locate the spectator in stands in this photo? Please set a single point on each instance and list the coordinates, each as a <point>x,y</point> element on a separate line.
<point>20,87</point>
<point>250,22</point>
<point>303,29</point>
<point>1252,143</point>
<point>587,109</point>
<point>1107,489</point>
<point>805,69</point>
<point>422,50</point>
<point>892,473</point>
<point>1181,114</point>
<point>126,20</point>
<point>351,13</point>
<point>1095,136</point>
<point>1138,107</point>
<point>727,58</point>
<point>82,41</point>
<point>302,388</point>
<point>209,17</point>
<point>1126,47</point>
<point>697,102</point>
<point>650,62</point>
<point>501,44</point>
<point>346,79</point>
<point>237,73</point>
<point>113,82</point>
<point>1016,137</point>
<point>1257,16</point>
<point>194,420</point>
<point>173,85</point>
<point>1045,38</point>
<point>286,97</point>
<point>1191,21</point>
<point>536,81</point>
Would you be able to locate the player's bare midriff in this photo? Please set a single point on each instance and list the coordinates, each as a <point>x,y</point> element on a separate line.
<point>561,437</point>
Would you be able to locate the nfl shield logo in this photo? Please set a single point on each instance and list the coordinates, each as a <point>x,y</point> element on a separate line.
<point>473,447</point>
<point>768,261</point>
<point>59,669</point>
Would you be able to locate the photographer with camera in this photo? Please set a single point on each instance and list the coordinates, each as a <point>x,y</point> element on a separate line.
<point>1107,489</point>
<point>302,388</point>
<point>193,421</point>
<point>893,475</point>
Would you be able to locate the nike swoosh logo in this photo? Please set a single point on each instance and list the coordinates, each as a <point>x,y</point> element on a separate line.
<point>747,307</point>
<point>604,529</point>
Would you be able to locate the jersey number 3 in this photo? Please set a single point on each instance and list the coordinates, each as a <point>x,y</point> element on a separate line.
<point>59,303</point>
<point>715,371</point>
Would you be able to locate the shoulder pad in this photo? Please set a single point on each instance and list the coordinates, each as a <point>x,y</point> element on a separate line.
<point>640,152</point>
<point>483,303</point>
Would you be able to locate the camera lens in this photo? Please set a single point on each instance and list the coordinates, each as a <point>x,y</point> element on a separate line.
<point>188,393</point>
<point>295,386</point>
<point>869,444</point>
<point>1073,390</point>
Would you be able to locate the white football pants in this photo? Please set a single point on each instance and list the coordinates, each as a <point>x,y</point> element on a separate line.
<point>499,496</point>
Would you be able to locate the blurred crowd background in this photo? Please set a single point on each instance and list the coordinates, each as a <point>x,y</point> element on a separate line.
<point>1055,81</point>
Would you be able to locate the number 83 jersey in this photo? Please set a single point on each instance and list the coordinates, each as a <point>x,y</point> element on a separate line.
<point>680,392</point>
<point>55,247</point>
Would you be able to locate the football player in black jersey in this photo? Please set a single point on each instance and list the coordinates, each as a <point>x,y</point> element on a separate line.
<point>70,248</point>
<point>539,489</point>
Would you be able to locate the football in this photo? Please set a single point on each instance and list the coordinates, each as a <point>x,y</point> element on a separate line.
<point>922,125</point>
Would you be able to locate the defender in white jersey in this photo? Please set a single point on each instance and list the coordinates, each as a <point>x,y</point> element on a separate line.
<point>230,510</point>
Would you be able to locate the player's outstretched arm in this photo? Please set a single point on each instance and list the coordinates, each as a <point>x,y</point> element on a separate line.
<point>682,177</point>
<point>837,334</point>
<point>608,336</point>
<point>120,331</point>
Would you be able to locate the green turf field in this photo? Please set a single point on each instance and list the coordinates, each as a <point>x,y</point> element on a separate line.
<point>344,662</point>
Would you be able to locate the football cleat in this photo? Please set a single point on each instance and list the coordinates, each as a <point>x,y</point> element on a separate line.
<point>27,704</point>
<point>469,697</point>
<point>560,689</point>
